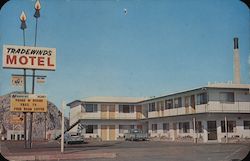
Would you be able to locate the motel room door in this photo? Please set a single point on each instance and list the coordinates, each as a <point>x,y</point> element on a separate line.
<point>111,111</point>
<point>111,132</point>
<point>138,112</point>
<point>104,132</point>
<point>104,111</point>
<point>192,103</point>
<point>108,132</point>
<point>211,130</point>
<point>175,130</point>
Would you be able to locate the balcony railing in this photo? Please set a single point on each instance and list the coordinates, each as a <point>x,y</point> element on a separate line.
<point>129,116</point>
<point>236,107</point>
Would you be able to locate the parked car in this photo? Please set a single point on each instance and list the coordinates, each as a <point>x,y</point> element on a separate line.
<point>136,134</point>
<point>73,138</point>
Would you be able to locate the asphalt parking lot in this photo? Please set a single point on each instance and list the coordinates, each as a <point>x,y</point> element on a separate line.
<point>162,151</point>
<point>141,151</point>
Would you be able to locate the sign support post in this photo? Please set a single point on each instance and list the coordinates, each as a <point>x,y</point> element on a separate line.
<point>23,27</point>
<point>36,15</point>
<point>31,114</point>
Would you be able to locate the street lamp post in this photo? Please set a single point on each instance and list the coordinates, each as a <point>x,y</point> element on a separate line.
<point>36,15</point>
<point>23,27</point>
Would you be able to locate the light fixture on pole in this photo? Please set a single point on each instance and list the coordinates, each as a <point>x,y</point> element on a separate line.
<point>23,27</point>
<point>37,15</point>
<point>23,24</point>
<point>37,7</point>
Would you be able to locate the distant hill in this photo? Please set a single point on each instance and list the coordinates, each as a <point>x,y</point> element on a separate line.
<point>53,119</point>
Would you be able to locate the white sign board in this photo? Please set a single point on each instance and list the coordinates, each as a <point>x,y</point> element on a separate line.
<point>40,79</point>
<point>20,57</point>
<point>17,81</point>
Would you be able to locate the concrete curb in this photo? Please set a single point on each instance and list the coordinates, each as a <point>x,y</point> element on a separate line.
<point>62,156</point>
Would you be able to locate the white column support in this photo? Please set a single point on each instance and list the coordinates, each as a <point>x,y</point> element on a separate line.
<point>194,130</point>
<point>226,129</point>
<point>205,131</point>
<point>62,131</point>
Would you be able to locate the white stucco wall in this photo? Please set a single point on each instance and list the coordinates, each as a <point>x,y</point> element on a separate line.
<point>239,130</point>
<point>241,104</point>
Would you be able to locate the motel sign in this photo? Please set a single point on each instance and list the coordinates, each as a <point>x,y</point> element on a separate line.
<point>26,57</point>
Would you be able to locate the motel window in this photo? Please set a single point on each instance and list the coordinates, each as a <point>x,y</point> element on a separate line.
<point>184,127</point>
<point>154,128</point>
<point>231,126</point>
<point>227,97</point>
<point>201,98</point>
<point>12,137</point>
<point>160,105</point>
<point>126,108</point>
<point>90,107</point>
<point>18,137</point>
<point>125,128</point>
<point>169,104</point>
<point>165,127</point>
<point>177,102</point>
<point>91,129</point>
<point>247,125</point>
<point>199,127</point>
<point>152,107</point>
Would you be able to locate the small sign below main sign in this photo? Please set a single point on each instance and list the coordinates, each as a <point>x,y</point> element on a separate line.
<point>14,119</point>
<point>40,79</point>
<point>17,81</point>
<point>28,103</point>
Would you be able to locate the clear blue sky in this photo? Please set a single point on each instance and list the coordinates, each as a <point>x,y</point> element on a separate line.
<point>160,46</point>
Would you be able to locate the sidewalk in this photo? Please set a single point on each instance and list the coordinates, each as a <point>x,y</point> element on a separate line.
<point>48,151</point>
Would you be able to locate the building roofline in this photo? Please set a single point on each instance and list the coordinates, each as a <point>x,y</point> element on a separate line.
<point>209,86</point>
<point>109,102</point>
<point>111,99</point>
<point>172,94</point>
<point>131,100</point>
<point>75,101</point>
<point>107,120</point>
<point>226,85</point>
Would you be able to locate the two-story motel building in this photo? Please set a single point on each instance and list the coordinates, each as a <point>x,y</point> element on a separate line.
<point>215,112</point>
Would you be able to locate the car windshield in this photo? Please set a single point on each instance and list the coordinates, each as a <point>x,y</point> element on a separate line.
<point>135,131</point>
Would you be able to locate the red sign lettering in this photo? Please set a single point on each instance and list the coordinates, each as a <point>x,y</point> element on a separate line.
<point>49,64</point>
<point>23,60</point>
<point>40,61</point>
<point>11,60</point>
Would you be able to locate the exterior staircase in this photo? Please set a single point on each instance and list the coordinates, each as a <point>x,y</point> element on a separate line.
<point>80,127</point>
